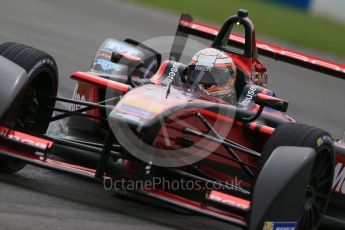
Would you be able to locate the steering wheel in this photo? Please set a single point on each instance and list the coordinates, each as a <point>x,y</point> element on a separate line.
<point>132,62</point>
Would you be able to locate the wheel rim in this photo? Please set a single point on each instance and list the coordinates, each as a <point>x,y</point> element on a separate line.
<point>29,115</point>
<point>318,191</point>
<point>27,119</point>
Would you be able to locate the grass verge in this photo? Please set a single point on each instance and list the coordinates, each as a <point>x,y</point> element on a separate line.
<point>277,21</point>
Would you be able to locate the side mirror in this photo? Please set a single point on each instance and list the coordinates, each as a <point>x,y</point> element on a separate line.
<point>272,102</point>
<point>264,100</point>
<point>126,59</point>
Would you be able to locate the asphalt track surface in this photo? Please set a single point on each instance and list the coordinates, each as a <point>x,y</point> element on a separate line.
<point>71,31</point>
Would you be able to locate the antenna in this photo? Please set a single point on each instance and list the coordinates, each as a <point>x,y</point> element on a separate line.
<point>168,91</point>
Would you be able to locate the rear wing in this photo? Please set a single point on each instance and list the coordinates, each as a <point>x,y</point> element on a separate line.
<point>189,27</point>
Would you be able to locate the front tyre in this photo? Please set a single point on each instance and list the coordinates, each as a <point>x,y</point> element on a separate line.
<point>319,187</point>
<point>33,114</point>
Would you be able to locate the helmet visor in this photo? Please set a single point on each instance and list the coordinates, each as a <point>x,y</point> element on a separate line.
<point>210,76</point>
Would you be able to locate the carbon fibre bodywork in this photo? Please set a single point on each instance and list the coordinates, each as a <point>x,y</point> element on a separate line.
<point>15,79</point>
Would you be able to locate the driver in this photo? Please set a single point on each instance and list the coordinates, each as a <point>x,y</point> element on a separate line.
<point>214,72</point>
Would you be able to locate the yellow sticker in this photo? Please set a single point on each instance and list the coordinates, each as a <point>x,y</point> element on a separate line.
<point>268,225</point>
<point>319,142</point>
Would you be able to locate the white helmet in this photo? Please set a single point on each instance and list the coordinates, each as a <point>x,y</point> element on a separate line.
<point>215,72</point>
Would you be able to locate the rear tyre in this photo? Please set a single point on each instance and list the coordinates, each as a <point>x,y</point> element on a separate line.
<point>32,114</point>
<point>319,188</point>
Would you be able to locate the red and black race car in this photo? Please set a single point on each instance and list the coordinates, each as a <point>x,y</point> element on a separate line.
<point>134,126</point>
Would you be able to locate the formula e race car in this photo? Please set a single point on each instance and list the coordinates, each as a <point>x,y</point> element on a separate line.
<point>136,124</point>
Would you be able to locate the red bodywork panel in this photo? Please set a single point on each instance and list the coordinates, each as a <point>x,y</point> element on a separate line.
<point>339,174</point>
<point>25,139</point>
<point>100,82</point>
<point>145,103</point>
<point>227,199</point>
<point>17,139</point>
<point>201,208</point>
<point>88,93</point>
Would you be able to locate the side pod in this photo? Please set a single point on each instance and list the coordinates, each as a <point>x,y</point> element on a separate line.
<point>280,188</point>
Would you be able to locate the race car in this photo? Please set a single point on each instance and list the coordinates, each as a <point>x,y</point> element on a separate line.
<point>219,144</point>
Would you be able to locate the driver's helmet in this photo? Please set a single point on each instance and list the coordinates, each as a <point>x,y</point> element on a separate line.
<point>215,72</point>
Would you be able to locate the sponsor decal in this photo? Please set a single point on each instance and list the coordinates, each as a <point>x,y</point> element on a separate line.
<point>135,110</point>
<point>39,64</point>
<point>104,54</point>
<point>207,58</point>
<point>203,68</point>
<point>85,92</point>
<point>106,65</point>
<point>339,179</point>
<point>229,200</point>
<point>324,139</point>
<point>130,117</point>
<point>78,97</point>
<point>269,225</point>
<point>116,46</point>
<point>113,45</point>
<point>249,96</point>
<point>23,138</point>
<point>172,72</point>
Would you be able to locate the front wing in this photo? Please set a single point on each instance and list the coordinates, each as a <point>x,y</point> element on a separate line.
<point>262,205</point>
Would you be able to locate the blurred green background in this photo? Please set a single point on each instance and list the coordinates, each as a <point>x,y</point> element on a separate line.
<point>278,21</point>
